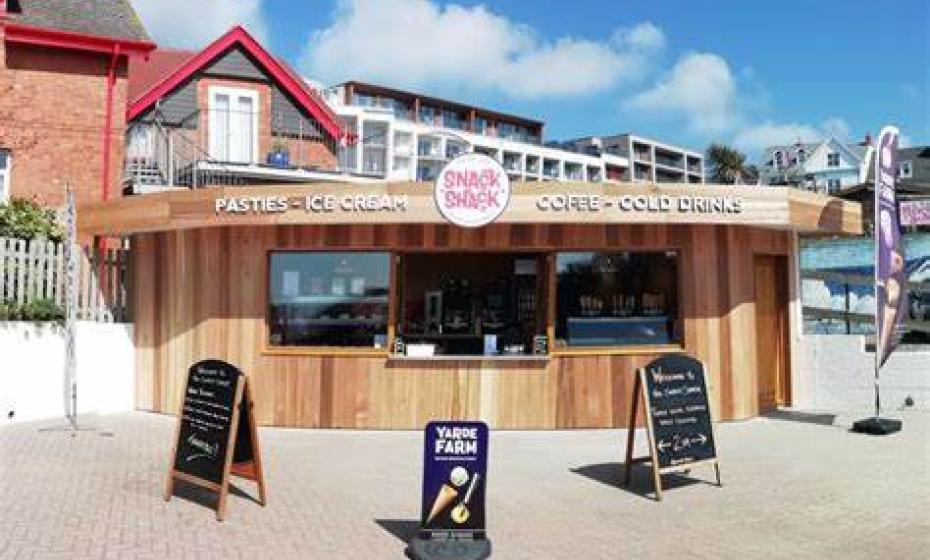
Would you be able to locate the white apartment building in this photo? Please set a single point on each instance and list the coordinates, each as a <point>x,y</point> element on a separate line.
<point>652,161</point>
<point>403,136</point>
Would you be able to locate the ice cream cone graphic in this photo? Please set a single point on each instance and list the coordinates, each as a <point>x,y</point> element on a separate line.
<point>445,497</point>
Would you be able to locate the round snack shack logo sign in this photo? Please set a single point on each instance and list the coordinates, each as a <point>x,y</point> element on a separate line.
<point>472,190</point>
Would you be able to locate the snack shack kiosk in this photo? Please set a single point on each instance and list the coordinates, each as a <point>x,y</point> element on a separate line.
<point>387,305</point>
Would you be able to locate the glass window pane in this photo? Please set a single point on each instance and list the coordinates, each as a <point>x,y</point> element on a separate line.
<point>328,299</point>
<point>616,299</point>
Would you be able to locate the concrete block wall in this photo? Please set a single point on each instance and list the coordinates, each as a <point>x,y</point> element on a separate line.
<point>837,376</point>
<point>32,366</point>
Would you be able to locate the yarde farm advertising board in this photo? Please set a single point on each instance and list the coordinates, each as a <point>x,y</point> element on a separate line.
<point>455,465</point>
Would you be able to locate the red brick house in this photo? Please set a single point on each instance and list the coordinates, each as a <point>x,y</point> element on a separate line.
<point>63,91</point>
<point>229,114</point>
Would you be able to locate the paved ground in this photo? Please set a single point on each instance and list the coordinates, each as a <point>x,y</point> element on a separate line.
<point>791,490</point>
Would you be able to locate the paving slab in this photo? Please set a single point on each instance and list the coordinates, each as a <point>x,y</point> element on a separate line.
<point>795,487</point>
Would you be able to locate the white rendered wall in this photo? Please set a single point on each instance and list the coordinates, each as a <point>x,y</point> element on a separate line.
<point>837,376</point>
<point>32,370</point>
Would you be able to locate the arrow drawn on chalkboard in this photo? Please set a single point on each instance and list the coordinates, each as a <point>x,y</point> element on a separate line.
<point>680,442</point>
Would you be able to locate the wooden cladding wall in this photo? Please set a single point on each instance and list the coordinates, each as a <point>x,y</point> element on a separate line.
<point>201,294</point>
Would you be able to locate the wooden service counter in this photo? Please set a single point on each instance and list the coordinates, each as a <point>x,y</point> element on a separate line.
<point>264,286</point>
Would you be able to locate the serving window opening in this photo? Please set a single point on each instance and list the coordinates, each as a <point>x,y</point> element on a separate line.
<point>471,304</point>
<point>617,299</point>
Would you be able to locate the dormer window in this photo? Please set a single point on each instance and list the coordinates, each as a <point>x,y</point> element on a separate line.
<point>905,171</point>
<point>833,159</point>
<point>801,155</point>
<point>778,159</point>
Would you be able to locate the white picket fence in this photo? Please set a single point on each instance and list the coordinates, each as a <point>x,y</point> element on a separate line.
<point>34,270</point>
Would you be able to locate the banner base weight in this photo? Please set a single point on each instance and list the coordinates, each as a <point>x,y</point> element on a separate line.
<point>467,548</point>
<point>876,426</point>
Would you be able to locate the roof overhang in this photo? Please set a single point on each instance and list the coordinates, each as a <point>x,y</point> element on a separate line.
<point>40,36</point>
<point>768,207</point>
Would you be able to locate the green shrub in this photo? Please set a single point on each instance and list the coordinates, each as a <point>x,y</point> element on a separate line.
<point>7,311</point>
<point>26,219</point>
<point>39,311</point>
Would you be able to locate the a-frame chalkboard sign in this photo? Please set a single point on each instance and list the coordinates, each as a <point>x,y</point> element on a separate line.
<point>216,435</point>
<point>679,427</point>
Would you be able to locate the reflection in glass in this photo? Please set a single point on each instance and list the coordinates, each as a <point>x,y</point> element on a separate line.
<point>609,299</point>
<point>328,299</point>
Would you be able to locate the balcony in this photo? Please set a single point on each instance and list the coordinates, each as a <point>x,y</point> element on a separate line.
<point>551,169</point>
<point>665,176</point>
<point>670,160</point>
<point>532,164</point>
<point>694,165</point>
<point>374,161</point>
<point>642,152</point>
<point>222,147</point>
<point>455,148</point>
<point>574,172</point>
<point>512,163</point>
<point>642,173</point>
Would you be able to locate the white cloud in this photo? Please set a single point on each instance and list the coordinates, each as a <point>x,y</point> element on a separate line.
<point>195,23</point>
<point>754,138</point>
<point>414,43</point>
<point>704,94</point>
<point>643,36</point>
<point>701,89</point>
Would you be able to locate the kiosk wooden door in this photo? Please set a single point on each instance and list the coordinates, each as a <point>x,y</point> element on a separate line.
<point>772,350</point>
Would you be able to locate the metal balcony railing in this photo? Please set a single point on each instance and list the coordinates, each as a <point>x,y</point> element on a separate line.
<point>211,147</point>
<point>160,158</point>
<point>670,161</point>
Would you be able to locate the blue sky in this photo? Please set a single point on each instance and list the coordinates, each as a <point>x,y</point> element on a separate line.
<point>684,72</point>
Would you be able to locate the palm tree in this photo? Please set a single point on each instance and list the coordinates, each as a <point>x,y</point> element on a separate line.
<point>727,164</point>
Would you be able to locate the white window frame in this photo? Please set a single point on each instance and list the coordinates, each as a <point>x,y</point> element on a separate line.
<point>837,154</point>
<point>5,181</point>
<point>905,165</point>
<point>234,92</point>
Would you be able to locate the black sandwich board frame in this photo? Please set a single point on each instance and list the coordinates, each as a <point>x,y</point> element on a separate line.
<point>250,470</point>
<point>640,391</point>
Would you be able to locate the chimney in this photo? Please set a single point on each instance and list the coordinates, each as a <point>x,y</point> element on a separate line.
<point>867,141</point>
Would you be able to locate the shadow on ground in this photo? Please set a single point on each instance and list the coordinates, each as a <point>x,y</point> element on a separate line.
<point>822,419</point>
<point>402,529</point>
<point>611,474</point>
<point>205,497</point>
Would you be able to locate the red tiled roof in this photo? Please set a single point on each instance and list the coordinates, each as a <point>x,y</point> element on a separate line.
<point>145,73</point>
